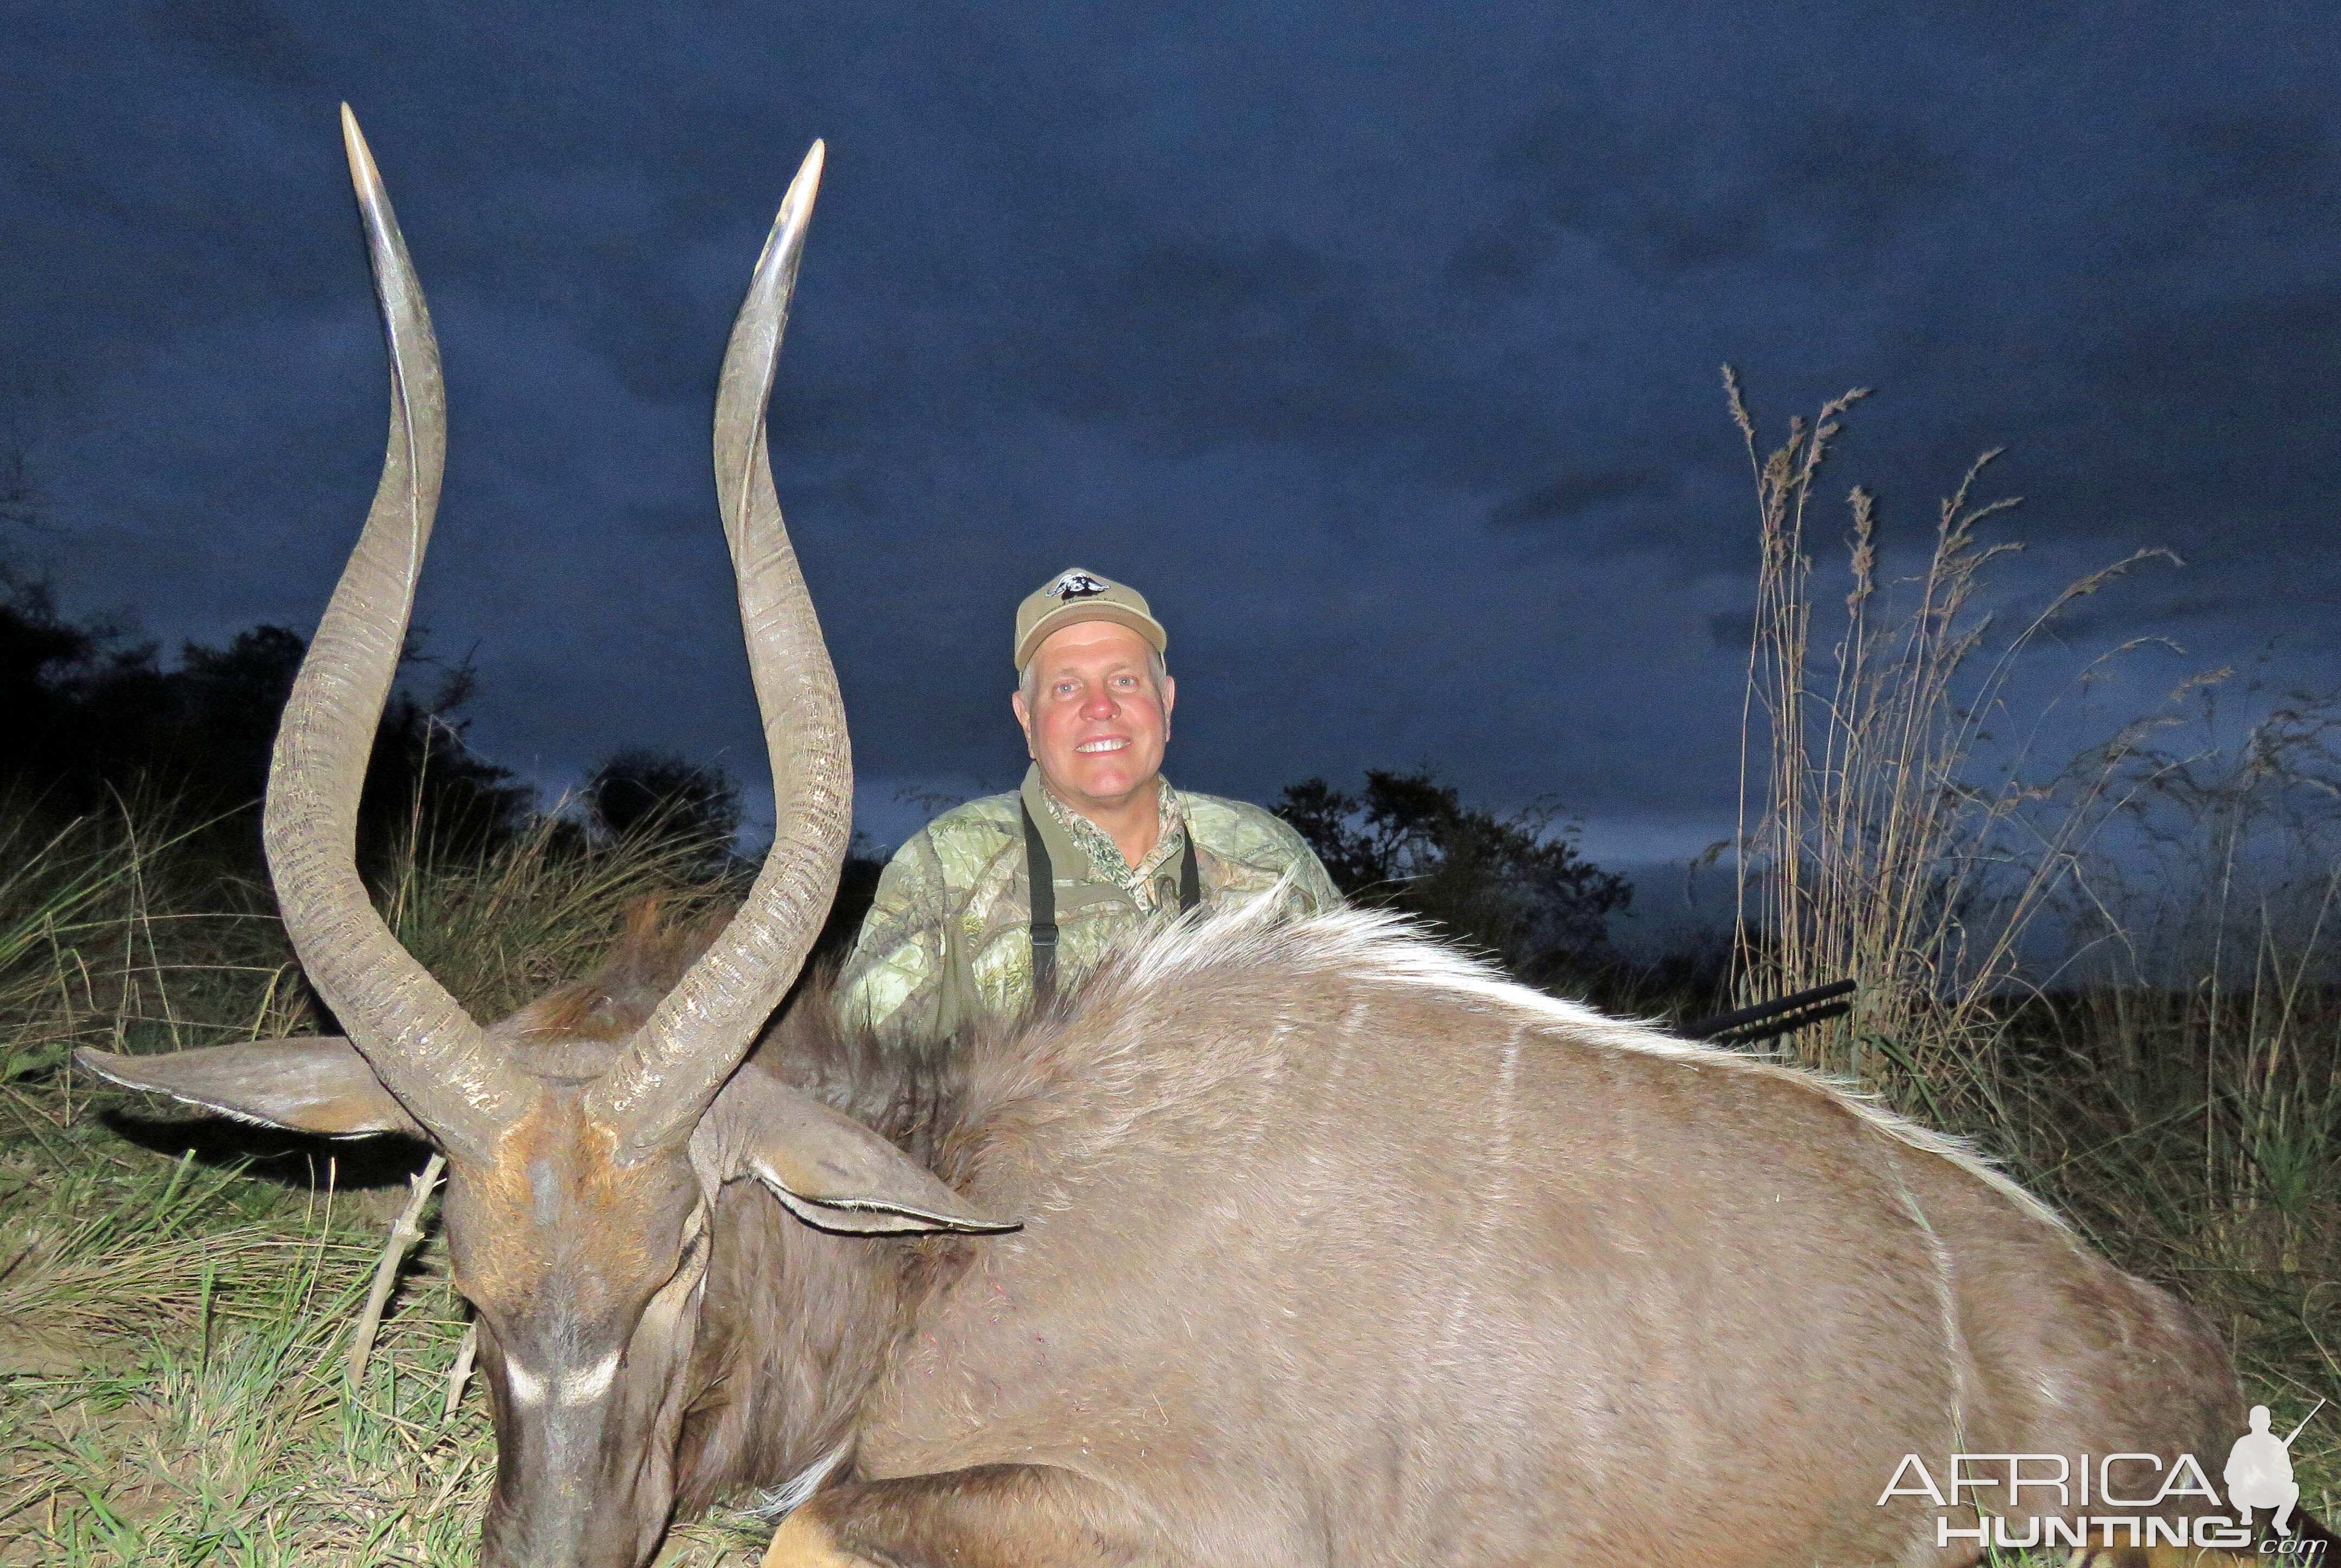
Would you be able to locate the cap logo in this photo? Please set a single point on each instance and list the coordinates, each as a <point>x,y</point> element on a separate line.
<point>1076,585</point>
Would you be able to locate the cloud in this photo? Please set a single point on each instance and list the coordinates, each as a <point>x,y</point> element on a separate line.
<point>1577,492</point>
<point>1732,628</point>
<point>1342,333</point>
<point>2253,153</point>
<point>1189,345</point>
<point>1859,177</point>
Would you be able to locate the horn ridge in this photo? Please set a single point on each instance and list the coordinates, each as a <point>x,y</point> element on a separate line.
<point>426,1048</point>
<point>697,1036</point>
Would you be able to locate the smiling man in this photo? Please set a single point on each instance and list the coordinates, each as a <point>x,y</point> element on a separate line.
<point>956,932</point>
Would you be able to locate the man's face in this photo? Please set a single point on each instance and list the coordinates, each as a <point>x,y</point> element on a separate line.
<point>1096,722</point>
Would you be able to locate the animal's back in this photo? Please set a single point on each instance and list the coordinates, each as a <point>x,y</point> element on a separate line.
<point>2065,1354</point>
<point>1336,1250</point>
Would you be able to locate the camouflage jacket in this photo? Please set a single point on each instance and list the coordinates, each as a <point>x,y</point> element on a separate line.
<point>949,939</point>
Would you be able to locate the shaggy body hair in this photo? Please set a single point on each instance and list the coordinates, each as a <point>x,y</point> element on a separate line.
<point>1259,1073</point>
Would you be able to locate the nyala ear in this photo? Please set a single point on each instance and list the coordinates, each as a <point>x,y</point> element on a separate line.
<point>832,1171</point>
<point>317,1084</point>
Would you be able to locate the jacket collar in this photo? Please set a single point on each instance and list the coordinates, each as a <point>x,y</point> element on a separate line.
<point>1070,860</point>
<point>1071,857</point>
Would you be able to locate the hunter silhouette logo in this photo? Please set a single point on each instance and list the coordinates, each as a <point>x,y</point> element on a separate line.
<point>2259,1470</point>
<point>2020,1502</point>
<point>1076,585</point>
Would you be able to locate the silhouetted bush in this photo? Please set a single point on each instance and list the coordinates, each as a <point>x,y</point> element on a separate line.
<point>1513,885</point>
<point>643,792</point>
<point>94,719</point>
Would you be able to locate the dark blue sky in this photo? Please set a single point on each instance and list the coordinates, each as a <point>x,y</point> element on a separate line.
<point>1378,344</point>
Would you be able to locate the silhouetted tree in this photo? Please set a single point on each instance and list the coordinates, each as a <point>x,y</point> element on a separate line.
<point>642,791</point>
<point>79,705</point>
<point>1513,885</point>
<point>425,777</point>
<point>92,717</point>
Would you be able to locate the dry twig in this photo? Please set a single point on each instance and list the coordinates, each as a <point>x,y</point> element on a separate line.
<point>460,1372</point>
<point>402,1237</point>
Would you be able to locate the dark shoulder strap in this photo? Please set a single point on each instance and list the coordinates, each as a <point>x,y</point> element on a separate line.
<point>1190,877</point>
<point>1042,877</point>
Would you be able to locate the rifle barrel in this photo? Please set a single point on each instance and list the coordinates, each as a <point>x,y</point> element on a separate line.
<point>1707,1028</point>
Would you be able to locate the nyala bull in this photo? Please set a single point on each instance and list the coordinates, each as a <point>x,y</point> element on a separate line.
<point>1306,1245</point>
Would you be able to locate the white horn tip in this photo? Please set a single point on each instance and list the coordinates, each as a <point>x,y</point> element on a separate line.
<point>796,211</point>
<point>808,179</point>
<point>362,173</point>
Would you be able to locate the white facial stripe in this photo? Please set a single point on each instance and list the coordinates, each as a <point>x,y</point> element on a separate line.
<point>524,1386</point>
<point>582,1387</point>
<point>574,1388</point>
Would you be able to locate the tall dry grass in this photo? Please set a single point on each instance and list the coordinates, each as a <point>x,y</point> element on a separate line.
<point>2109,956</point>
<point>177,1299</point>
<point>1883,838</point>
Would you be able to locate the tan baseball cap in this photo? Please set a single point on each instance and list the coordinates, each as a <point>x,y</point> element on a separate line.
<point>1073,595</point>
